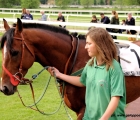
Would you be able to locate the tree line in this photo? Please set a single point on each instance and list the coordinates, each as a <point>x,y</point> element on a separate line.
<point>63,3</point>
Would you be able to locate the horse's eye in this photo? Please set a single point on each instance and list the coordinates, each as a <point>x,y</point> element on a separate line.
<point>14,52</point>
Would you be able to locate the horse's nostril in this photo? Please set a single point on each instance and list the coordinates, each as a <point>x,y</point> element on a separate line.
<point>5,90</point>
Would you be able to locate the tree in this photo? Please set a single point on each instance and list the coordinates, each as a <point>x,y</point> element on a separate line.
<point>127,2</point>
<point>110,2</point>
<point>62,3</point>
<point>95,2</point>
<point>86,3</point>
<point>102,2</point>
<point>43,1</point>
<point>6,3</point>
<point>30,3</point>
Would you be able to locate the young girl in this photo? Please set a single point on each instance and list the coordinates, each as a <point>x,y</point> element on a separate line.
<point>103,78</point>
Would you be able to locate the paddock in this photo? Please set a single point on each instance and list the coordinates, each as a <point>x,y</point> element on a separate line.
<point>84,31</point>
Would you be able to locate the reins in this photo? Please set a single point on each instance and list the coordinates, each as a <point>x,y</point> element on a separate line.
<point>43,93</point>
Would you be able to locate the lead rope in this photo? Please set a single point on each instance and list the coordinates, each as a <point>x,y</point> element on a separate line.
<point>36,102</point>
<point>62,98</point>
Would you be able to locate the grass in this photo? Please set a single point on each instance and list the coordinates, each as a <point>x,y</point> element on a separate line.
<point>12,109</point>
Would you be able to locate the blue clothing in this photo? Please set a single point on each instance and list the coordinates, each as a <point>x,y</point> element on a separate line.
<point>28,17</point>
<point>44,17</point>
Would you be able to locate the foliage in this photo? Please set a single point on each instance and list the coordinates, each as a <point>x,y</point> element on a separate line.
<point>63,3</point>
<point>6,3</point>
<point>43,1</point>
<point>128,2</point>
<point>86,3</point>
<point>75,2</point>
<point>95,2</point>
<point>102,2</point>
<point>30,3</point>
<point>110,2</point>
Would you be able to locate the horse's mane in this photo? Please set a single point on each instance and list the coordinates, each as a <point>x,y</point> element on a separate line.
<point>8,35</point>
<point>45,27</point>
<point>80,36</point>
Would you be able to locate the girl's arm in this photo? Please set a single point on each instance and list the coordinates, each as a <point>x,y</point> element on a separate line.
<point>111,108</point>
<point>74,80</point>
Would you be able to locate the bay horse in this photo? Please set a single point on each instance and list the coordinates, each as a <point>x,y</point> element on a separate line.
<point>50,46</point>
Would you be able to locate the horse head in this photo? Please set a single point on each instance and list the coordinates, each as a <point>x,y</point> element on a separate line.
<point>17,57</point>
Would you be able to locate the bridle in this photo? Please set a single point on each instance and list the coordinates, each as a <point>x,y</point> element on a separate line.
<point>18,76</point>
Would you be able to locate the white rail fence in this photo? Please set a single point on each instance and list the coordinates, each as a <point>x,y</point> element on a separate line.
<point>67,11</point>
<point>67,16</point>
<point>85,25</point>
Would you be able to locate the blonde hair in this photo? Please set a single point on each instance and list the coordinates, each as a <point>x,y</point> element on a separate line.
<point>24,11</point>
<point>115,14</point>
<point>104,44</point>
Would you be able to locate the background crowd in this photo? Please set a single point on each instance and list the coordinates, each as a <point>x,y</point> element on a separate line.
<point>103,19</point>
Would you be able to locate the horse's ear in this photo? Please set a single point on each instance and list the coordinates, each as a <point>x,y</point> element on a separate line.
<point>6,26</point>
<point>18,26</point>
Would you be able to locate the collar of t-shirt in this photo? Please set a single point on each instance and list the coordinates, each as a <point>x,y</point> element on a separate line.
<point>98,66</point>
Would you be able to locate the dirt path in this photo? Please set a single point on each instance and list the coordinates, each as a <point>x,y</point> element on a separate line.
<point>132,109</point>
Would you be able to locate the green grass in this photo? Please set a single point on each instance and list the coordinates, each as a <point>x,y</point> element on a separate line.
<point>11,107</point>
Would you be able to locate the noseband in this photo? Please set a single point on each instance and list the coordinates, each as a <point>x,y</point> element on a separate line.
<point>18,76</point>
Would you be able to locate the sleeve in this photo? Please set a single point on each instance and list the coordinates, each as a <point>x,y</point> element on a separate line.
<point>84,76</point>
<point>132,21</point>
<point>32,17</point>
<point>107,20</point>
<point>21,16</point>
<point>63,19</point>
<point>117,82</point>
<point>112,20</point>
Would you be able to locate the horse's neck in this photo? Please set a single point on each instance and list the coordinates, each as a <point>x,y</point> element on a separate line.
<point>52,50</point>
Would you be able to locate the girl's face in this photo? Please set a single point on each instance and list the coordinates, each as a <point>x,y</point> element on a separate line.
<point>91,47</point>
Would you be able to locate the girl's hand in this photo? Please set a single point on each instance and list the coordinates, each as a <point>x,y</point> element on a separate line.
<point>53,71</point>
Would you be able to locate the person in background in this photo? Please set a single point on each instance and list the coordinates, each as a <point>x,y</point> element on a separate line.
<point>105,20</point>
<point>28,16</point>
<point>123,23</point>
<point>43,17</point>
<point>130,21</point>
<point>94,19</point>
<point>61,18</point>
<point>114,21</point>
<point>23,13</point>
<point>103,78</point>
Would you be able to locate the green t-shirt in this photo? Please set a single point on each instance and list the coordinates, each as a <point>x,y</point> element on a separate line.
<point>101,85</point>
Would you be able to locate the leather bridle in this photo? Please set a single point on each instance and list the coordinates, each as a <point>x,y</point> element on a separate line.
<point>18,76</point>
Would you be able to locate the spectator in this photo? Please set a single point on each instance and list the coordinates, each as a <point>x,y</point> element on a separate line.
<point>123,23</point>
<point>61,18</point>
<point>43,17</point>
<point>115,21</point>
<point>105,20</point>
<point>23,13</point>
<point>130,21</point>
<point>94,19</point>
<point>28,16</point>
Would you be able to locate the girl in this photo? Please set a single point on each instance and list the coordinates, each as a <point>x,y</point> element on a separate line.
<point>103,78</point>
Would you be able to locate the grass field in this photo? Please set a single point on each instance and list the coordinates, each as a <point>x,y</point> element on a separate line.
<point>11,107</point>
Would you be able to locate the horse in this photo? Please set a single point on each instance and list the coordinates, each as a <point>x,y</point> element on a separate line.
<point>50,46</point>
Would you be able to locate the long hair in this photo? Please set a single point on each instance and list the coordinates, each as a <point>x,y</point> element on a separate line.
<point>104,44</point>
<point>115,14</point>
